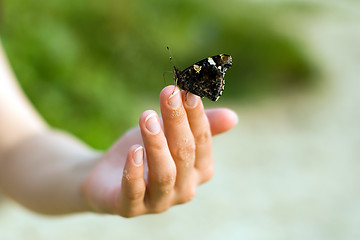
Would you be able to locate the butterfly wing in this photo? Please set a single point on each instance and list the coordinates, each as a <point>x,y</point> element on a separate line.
<point>206,77</point>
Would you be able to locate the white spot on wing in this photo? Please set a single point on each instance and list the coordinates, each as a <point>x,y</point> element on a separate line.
<point>211,61</point>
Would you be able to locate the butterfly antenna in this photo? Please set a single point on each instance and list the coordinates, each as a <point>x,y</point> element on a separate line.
<point>171,57</point>
<point>173,61</point>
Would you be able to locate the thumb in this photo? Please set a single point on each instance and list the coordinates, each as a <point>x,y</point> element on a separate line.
<point>221,120</point>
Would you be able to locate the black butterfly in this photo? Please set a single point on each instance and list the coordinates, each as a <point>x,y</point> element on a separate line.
<point>206,77</point>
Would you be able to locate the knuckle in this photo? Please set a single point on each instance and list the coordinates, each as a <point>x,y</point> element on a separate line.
<point>134,195</point>
<point>133,190</point>
<point>186,152</point>
<point>158,146</point>
<point>131,178</point>
<point>203,137</point>
<point>167,178</point>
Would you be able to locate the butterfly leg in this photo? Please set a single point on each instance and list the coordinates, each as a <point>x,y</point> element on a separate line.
<point>174,90</point>
<point>186,95</point>
<point>175,80</point>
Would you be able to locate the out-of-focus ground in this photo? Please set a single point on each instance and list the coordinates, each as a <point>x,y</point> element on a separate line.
<point>289,170</point>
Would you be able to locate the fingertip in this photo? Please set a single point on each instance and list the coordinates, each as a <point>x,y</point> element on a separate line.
<point>191,101</point>
<point>221,120</point>
<point>138,156</point>
<point>169,98</point>
<point>232,116</point>
<point>144,116</point>
<point>167,91</point>
<point>134,163</point>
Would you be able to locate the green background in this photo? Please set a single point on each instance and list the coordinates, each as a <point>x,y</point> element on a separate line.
<point>92,67</point>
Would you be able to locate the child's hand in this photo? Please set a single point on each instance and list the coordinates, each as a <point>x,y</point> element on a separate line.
<point>177,152</point>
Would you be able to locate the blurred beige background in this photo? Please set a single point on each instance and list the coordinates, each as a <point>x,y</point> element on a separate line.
<point>289,170</point>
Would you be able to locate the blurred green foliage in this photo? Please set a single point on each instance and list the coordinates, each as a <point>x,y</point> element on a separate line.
<point>91,66</point>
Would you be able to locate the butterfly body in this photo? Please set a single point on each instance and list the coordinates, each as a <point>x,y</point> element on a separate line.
<point>206,77</point>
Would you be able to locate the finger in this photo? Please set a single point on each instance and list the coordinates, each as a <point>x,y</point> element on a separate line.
<point>200,128</point>
<point>221,120</point>
<point>131,202</point>
<point>162,170</point>
<point>179,137</point>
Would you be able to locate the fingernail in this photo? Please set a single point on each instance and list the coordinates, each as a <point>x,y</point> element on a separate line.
<point>138,156</point>
<point>191,100</point>
<point>174,100</point>
<point>152,124</point>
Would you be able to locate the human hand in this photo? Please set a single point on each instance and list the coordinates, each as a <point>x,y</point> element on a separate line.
<point>131,180</point>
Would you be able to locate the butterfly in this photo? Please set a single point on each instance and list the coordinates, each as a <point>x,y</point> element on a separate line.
<point>206,77</point>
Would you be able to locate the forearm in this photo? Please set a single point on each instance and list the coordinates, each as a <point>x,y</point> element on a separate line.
<point>40,168</point>
<point>45,172</point>
<point>18,118</point>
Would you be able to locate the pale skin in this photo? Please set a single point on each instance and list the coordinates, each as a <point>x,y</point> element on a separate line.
<point>149,169</point>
